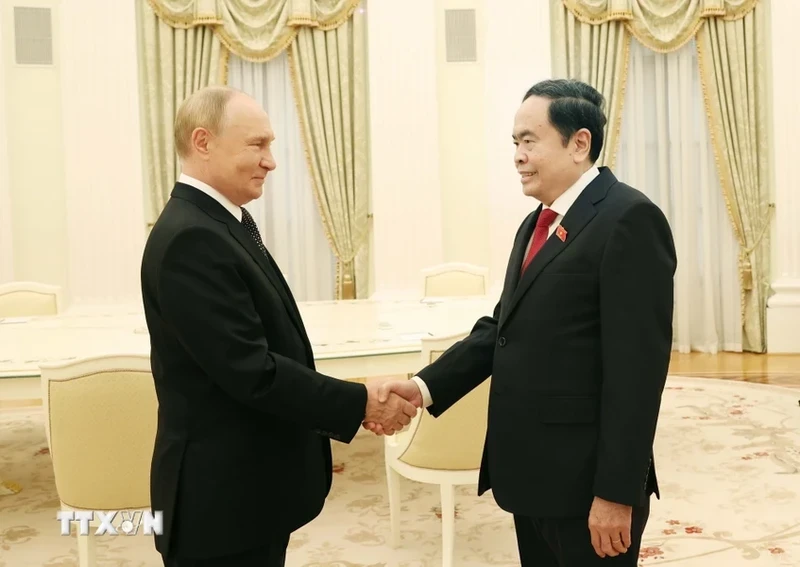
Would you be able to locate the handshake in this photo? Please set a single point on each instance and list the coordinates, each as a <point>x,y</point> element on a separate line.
<point>391,405</point>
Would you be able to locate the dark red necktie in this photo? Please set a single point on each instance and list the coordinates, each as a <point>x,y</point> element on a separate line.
<point>546,218</point>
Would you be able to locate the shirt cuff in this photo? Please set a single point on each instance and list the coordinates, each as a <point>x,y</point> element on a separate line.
<point>423,388</point>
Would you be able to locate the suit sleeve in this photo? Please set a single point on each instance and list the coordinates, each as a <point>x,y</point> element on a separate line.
<point>463,366</point>
<point>210,309</point>
<point>469,362</point>
<point>636,306</point>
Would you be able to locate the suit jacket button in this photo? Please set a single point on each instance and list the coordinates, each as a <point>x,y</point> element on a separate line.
<point>501,341</point>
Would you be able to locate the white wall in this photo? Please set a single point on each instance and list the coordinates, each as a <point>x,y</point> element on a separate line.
<point>404,142</point>
<point>35,156</point>
<point>783,308</point>
<point>443,179</point>
<point>73,190</point>
<point>6,229</point>
<point>462,142</point>
<point>102,159</point>
<point>518,56</point>
<point>442,158</point>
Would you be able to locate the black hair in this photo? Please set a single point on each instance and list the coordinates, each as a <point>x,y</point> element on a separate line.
<point>573,105</point>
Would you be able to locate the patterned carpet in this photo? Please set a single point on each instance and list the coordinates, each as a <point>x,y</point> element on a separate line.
<point>729,463</point>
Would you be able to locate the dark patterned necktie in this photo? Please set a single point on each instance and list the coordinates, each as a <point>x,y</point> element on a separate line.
<point>282,285</point>
<point>252,229</point>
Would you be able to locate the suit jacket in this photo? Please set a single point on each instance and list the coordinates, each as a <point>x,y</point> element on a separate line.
<point>242,447</point>
<point>578,349</point>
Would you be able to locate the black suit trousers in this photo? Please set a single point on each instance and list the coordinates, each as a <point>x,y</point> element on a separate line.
<point>567,542</point>
<point>271,555</point>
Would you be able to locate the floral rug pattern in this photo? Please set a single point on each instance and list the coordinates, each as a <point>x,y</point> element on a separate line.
<point>728,457</point>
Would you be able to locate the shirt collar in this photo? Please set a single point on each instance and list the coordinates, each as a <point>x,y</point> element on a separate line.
<point>568,197</point>
<point>211,192</point>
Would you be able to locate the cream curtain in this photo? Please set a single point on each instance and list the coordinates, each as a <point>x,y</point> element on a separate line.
<point>255,30</point>
<point>187,43</point>
<point>173,64</point>
<point>597,55</point>
<point>732,56</point>
<point>661,25</point>
<point>286,213</point>
<point>329,78</point>
<point>665,152</point>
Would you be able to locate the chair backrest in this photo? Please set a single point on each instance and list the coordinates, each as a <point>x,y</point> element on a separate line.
<point>455,279</point>
<point>100,417</point>
<point>28,299</point>
<point>454,440</point>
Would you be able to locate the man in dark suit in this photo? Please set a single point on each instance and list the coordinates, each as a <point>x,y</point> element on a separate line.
<point>578,346</point>
<point>242,452</point>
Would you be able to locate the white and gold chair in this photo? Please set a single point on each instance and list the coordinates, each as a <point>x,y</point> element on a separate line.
<point>28,299</point>
<point>455,279</point>
<point>446,450</point>
<point>100,421</point>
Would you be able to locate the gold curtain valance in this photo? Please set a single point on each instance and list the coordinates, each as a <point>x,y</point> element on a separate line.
<point>255,30</point>
<point>660,25</point>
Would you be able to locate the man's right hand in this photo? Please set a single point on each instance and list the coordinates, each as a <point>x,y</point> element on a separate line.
<point>388,410</point>
<point>407,390</point>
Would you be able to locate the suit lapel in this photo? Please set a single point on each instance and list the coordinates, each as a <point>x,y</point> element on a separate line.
<point>270,269</point>
<point>266,263</point>
<point>578,216</point>
<point>515,262</point>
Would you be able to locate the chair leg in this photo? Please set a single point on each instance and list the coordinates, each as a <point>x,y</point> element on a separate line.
<point>393,484</point>
<point>448,523</point>
<point>86,550</point>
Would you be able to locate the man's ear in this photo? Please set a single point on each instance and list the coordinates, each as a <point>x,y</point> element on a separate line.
<point>201,140</point>
<point>582,139</point>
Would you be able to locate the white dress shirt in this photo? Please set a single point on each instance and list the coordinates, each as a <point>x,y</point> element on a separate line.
<point>565,201</point>
<point>561,206</point>
<point>211,192</point>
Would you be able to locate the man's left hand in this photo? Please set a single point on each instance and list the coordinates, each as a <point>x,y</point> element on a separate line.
<point>610,526</point>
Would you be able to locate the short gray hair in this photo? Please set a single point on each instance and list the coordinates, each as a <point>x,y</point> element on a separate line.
<point>202,109</point>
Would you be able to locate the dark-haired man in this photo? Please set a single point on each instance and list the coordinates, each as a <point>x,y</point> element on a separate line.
<point>578,346</point>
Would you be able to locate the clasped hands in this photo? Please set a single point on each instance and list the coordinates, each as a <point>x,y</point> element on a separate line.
<point>391,406</point>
